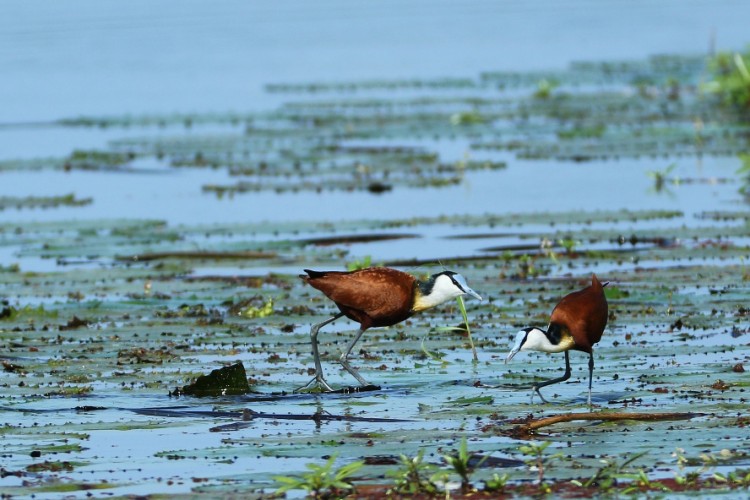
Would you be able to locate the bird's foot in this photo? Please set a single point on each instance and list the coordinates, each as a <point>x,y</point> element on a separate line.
<point>535,389</point>
<point>317,384</point>
<point>358,388</point>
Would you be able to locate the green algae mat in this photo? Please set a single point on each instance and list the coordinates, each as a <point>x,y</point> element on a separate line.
<point>629,170</point>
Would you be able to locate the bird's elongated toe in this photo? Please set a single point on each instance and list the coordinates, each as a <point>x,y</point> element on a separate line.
<point>317,382</point>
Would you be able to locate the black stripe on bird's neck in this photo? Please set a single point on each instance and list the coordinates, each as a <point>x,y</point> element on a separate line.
<point>554,333</point>
<point>424,288</point>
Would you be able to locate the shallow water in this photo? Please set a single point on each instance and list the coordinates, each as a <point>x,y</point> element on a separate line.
<point>96,394</point>
<point>521,188</point>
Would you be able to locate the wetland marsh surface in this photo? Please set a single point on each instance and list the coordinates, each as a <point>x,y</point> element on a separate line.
<point>156,207</point>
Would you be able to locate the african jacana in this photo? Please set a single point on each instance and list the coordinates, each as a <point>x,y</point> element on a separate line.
<point>378,296</point>
<point>577,323</point>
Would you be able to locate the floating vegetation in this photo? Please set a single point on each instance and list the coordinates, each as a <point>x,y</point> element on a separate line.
<point>731,83</point>
<point>247,309</point>
<point>29,202</point>
<point>439,83</point>
<point>321,481</point>
<point>177,119</point>
<point>96,160</point>
<point>86,160</point>
<point>100,319</point>
<point>145,344</point>
<point>338,140</point>
<point>655,70</point>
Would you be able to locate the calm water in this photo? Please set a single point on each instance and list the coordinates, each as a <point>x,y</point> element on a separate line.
<point>91,58</point>
<point>144,57</point>
<point>94,58</point>
<point>87,57</point>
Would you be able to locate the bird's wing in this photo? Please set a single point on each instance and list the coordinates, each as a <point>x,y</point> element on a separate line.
<point>375,290</point>
<point>581,312</point>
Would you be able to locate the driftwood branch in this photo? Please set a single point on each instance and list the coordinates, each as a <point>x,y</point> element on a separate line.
<point>529,427</point>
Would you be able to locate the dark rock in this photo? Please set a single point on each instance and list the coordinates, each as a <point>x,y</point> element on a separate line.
<point>226,381</point>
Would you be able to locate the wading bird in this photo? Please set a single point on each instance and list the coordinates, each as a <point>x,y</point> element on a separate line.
<point>377,296</point>
<point>577,323</point>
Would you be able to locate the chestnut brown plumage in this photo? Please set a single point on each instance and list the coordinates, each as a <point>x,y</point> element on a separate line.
<point>377,296</point>
<point>576,323</point>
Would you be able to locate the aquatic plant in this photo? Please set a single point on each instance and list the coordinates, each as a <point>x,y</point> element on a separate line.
<point>682,476</point>
<point>739,478</point>
<point>415,476</point>
<point>67,200</point>
<point>362,263</point>
<point>322,481</point>
<point>460,462</point>
<point>545,87</point>
<point>538,459</point>
<point>496,483</point>
<point>27,312</point>
<point>704,463</point>
<point>462,308</point>
<point>96,160</point>
<point>526,267</point>
<point>639,481</point>
<point>250,311</point>
<point>731,81</point>
<point>605,478</point>
<point>661,177</point>
<point>744,174</point>
<point>568,243</point>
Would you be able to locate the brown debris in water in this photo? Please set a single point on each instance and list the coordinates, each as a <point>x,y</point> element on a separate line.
<point>75,323</point>
<point>528,427</point>
<point>720,385</point>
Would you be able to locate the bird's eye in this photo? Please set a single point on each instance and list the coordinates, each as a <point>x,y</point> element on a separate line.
<point>459,281</point>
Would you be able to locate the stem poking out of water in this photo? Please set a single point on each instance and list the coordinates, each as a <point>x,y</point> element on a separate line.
<point>462,307</point>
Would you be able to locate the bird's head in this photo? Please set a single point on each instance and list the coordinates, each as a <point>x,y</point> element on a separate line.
<point>555,339</point>
<point>441,287</point>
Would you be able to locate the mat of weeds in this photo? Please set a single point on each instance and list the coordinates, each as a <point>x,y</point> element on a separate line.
<point>102,319</point>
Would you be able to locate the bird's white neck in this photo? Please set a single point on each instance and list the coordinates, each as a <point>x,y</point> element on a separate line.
<point>442,290</point>
<point>537,340</point>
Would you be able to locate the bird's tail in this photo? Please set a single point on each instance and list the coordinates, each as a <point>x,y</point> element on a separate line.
<point>594,280</point>
<point>312,274</point>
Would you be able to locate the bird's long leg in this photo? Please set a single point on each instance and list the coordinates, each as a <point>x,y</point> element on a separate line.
<point>551,381</point>
<point>318,380</point>
<point>591,373</point>
<point>344,359</point>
